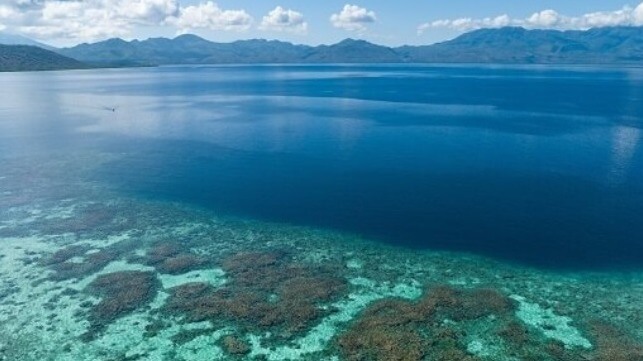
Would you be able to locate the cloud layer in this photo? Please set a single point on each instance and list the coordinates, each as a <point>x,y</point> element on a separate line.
<point>89,19</point>
<point>280,19</point>
<point>5,13</point>
<point>97,19</point>
<point>546,19</point>
<point>353,18</point>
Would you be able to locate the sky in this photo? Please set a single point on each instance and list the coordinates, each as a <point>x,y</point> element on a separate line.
<point>393,23</point>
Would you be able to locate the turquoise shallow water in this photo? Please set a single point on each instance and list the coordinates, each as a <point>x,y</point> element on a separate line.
<point>358,213</point>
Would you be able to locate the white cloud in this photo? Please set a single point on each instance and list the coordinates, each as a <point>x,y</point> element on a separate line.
<point>614,18</point>
<point>210,16</point>
<point>148,11</point>
<point>546,19</point>
<point>638,15</point>
<point>6,11</point>
<point>353,18</point>
<point>64,9</point>
<point>467,24</point>
<point>89,20</point>
<point>280,19</point>
<point>85,20</point>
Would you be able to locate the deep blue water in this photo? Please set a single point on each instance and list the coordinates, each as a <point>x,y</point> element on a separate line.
<point>537,165</point>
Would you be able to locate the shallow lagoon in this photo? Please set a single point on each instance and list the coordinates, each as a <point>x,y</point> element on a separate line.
<point>488,213</point>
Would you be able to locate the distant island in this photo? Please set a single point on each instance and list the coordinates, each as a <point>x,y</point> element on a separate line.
<point>509,45</point>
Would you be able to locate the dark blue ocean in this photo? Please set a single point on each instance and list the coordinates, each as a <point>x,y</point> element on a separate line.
<point>537,165</point>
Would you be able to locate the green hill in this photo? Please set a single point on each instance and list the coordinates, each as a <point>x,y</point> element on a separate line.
<point>28,58</point>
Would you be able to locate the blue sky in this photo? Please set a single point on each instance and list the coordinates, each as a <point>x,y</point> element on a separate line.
<point>65,22</point>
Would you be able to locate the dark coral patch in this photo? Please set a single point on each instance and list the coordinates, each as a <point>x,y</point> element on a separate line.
<point>396,329</point>
<point>185,336</point>
<point>400,330</point>
<point>383,343</point>
<point>181,263</point>
<point>461,305</point>
<point>612,344</point>
<point>312,288</point>
<point>445,344</point>
<point>121,293</point>
<point>266,292</point>
<point>235,346</point>
<point>63,267</point>
<point>261,271</point>
<point>65,254</point>
<point>515,333</point>
<point>385,331</point>
<point>162,251</point>
<point>173,259</point>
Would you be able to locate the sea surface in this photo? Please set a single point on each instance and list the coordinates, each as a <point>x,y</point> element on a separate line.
<point>365,183</point>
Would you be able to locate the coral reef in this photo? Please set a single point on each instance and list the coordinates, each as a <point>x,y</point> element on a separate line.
<point>181,263</point>
<point>91,218</point>
<point>171,258</point>
<point>186,336</point>
<point>121,293</point>
<point>66,254</point>
<point>385,332</point>
<point>261,271</point>
<point>395,329</point>
<point>235,346</point>
<point>266,292</point>
<point>461,305</point>
<point>515,333</point>
<point>614,344</point>
<point>61,262</point>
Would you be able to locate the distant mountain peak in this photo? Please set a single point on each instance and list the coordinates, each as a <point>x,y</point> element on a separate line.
<point>189,37</point>
<point>116,41</point>
<point>15,39</point>
<point>351,42</point>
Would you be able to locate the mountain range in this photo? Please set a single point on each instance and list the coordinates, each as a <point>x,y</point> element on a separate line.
<point>510,45</point>
<point>609,45</point>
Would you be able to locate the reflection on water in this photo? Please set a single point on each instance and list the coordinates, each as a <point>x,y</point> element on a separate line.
<point>626,143</point>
